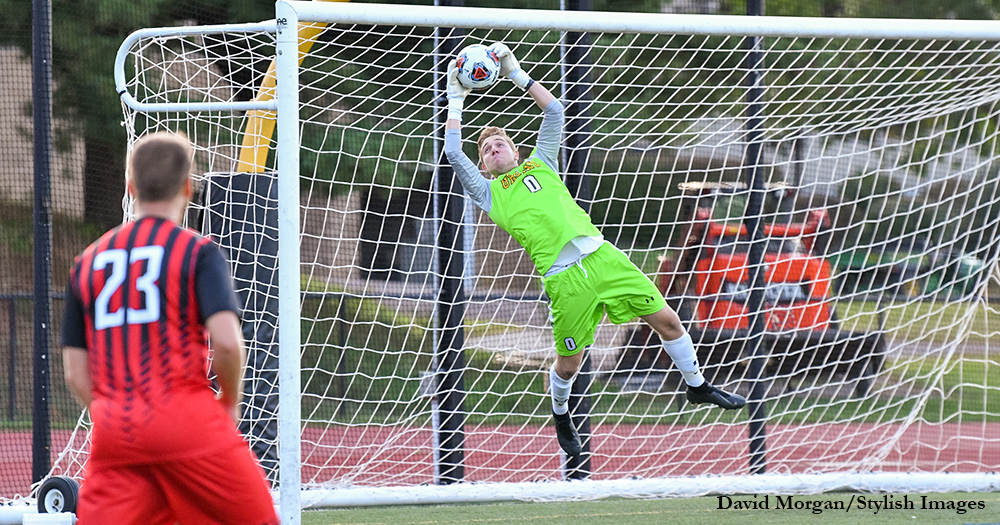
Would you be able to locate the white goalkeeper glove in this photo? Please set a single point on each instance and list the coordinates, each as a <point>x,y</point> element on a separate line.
<point>509,67</point>
<point>456,93</point>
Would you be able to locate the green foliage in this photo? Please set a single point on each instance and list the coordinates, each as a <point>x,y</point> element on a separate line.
<point>362,361</point>
<point>930,9</point>
<point>16,229</point>
<point>86,36</point>
<point>369,119</point>
<point>85,39</point>
<point>623,208</point>
<point>651,92</point>
<point>637,6</point>
<point>883,234</point>
<point>69,237</point>
<point>865,197</point>
<point>357,361</point>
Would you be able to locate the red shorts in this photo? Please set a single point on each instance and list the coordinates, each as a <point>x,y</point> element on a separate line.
<point>225,487</point>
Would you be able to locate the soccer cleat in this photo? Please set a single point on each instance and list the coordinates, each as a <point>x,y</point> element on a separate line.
<point>569,439</point>
<point>706,393</point>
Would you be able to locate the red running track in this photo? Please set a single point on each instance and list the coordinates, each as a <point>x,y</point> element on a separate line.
<point>397,456</point>
<point>15,460</point>
<point>390,456</point>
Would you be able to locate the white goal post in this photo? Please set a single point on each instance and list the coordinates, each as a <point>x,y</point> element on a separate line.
<point>828,235</point>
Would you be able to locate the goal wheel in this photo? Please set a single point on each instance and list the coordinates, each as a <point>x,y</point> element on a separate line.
<point>58,494</point>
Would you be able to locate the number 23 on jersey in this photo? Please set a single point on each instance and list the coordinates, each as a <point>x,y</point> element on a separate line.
<point>115,264</point>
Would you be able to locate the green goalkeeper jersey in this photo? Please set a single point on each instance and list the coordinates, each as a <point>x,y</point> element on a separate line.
<point>532,203</point>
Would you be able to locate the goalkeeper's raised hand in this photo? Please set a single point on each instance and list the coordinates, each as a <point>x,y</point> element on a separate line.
<point>509,66</point>
<point>456,93</point>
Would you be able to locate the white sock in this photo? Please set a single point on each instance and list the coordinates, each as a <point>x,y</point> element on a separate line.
<point>560,391</point>
<point>681,351</point>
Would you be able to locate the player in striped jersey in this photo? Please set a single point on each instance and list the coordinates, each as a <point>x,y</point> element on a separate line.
<point>583,275</point>
<point>141,303</point>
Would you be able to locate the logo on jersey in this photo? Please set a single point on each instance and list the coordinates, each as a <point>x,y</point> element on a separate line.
<point>509,179</point>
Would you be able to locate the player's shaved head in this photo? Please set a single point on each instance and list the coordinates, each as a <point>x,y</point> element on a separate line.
<point>159,165</point>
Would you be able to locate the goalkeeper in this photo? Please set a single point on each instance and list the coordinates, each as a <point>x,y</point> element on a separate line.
<point>583,275</point>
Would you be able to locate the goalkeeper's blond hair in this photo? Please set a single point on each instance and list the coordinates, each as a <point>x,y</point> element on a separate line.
<point>490,132</point>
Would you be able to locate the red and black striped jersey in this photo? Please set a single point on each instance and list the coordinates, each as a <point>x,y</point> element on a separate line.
<point>137,302</point>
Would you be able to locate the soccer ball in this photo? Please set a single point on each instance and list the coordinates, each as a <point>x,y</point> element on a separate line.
<point>478,66</point>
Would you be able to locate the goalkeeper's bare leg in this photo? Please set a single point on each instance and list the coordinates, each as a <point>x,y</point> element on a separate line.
<point>680,348</point>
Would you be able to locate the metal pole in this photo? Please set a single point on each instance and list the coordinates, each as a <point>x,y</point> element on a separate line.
<point>342,358</point>
<point>756,407</point>
<point>289,285</point>
<point>41,86</point>
<point>577,147</point>
<point>577,97</point>
<point>451,297</point>
<point>12,365</point>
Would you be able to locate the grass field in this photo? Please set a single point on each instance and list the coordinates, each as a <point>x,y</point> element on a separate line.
<point>958,391</point>
<point>692,511</point>
<point>494,392</point>
<point>929,322</point>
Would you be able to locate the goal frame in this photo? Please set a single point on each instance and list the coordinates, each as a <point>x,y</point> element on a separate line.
<point>288,16</point>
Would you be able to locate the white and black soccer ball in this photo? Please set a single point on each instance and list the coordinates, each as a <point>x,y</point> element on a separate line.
<point>478,66</point>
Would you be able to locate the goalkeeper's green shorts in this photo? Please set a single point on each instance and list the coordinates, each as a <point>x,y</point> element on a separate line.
<point>604,280</point>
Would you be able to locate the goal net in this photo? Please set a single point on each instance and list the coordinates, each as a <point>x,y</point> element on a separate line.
<point>818,199</point>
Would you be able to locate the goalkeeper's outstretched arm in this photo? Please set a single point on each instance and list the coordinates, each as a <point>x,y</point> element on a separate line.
<point>476,186</point>
<point>511,68</point>
<point>549,136</point>
<point>550,133</point>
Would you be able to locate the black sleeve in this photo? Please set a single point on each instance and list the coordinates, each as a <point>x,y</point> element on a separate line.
<point>74,330</point>
<point>213,283</point>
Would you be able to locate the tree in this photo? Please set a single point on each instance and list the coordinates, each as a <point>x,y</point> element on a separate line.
<point>85,38</point>
<point>929,9</point>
